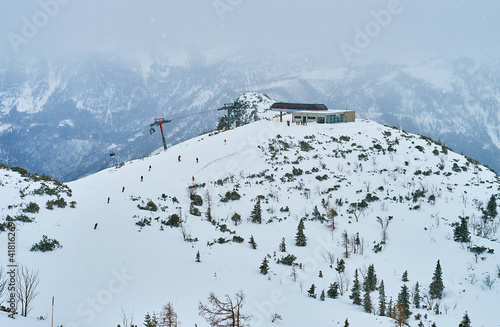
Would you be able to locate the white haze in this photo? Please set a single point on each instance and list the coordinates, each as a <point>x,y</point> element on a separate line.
<point>415,29</point>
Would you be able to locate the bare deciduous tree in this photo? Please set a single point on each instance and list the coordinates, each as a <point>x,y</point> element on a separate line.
<point>26,283</point>
<point>488,282</point>
<point>399,314</point>
<point>208,199</point>
<point>3,281</point>
<point>343,282</point>
<point>224,313</point>
<point>384,224</point>
<point>294,274</point>
<point>330,215</point>
<point>127,320</point>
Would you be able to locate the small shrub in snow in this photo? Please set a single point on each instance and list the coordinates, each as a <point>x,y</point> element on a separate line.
<point>238,239</point>
<point>150,206</point>
<point>322,177</point>
<point>196,200</point>
<point>143,222</point>
<point>305,146</point>
<point>46,244</point>
<point>231,196</point>
<point>173,221</point>
<point>23,218</point>
<point>32,207</point>
<point>297,171</point>
<point>287,260</point>
<point>194,211</point>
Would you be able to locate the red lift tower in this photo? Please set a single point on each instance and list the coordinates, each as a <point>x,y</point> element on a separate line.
<point>160,121</point>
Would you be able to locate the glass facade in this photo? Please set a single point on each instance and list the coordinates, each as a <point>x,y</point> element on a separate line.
<point>321,118</point>
<point>336,118</point>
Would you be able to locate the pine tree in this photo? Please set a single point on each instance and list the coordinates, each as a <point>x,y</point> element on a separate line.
<point>465,321</point>
<point>404,299</point>
<point>346,323</point>
<point>154,320</point>
<point>433,324</point>
<point>312,291</point>
<point>147,321</point>
<point>282,245</point>
<point>317,215</point>
<point>436,308</point>
<point>300,238</point>
<point>461,231</point>
<point>256,214</point>
<point>340,266</point>
<point>436,287</point>
<point>404,278</point>
<point>416,296</point>
<point>333,291</point>
<point>253,245</point>
<point>370,281</point>
<point>264,267</point>
<point>322,296</point>
<point>367,301</point>
<point>491,208</point>
<point>381,298</point>
<point>356,290</point>
<point>198,257</point>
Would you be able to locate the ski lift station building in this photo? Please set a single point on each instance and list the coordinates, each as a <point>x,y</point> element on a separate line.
<point>314,113</point>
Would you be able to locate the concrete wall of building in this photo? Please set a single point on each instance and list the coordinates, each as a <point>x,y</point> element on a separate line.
<point>350,116</point>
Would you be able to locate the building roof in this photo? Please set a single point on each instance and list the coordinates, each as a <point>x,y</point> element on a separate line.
<point>284,106</point>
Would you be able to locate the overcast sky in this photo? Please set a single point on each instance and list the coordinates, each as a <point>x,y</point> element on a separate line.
<point>345,30</point>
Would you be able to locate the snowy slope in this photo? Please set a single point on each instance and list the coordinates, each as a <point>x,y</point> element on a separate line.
<point>122,266</point>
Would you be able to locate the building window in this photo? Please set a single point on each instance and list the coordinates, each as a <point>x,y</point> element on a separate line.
<point>297,117</point>
<point>311,118</point>
<point>321,120</point>
<point>336,118</point>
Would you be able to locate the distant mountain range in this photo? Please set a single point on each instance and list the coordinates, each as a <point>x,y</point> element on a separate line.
<point>64,118</point>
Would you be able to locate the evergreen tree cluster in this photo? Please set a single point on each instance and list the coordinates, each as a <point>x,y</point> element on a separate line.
<point>461,231</point>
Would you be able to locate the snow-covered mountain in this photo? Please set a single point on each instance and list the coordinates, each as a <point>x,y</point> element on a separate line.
<point>136,259</point>
<point>64,117</point>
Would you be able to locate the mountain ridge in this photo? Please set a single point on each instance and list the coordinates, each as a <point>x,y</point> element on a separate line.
<point>105,99</point>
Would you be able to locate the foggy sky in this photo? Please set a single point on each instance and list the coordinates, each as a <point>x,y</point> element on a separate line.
<point>327,28</point>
